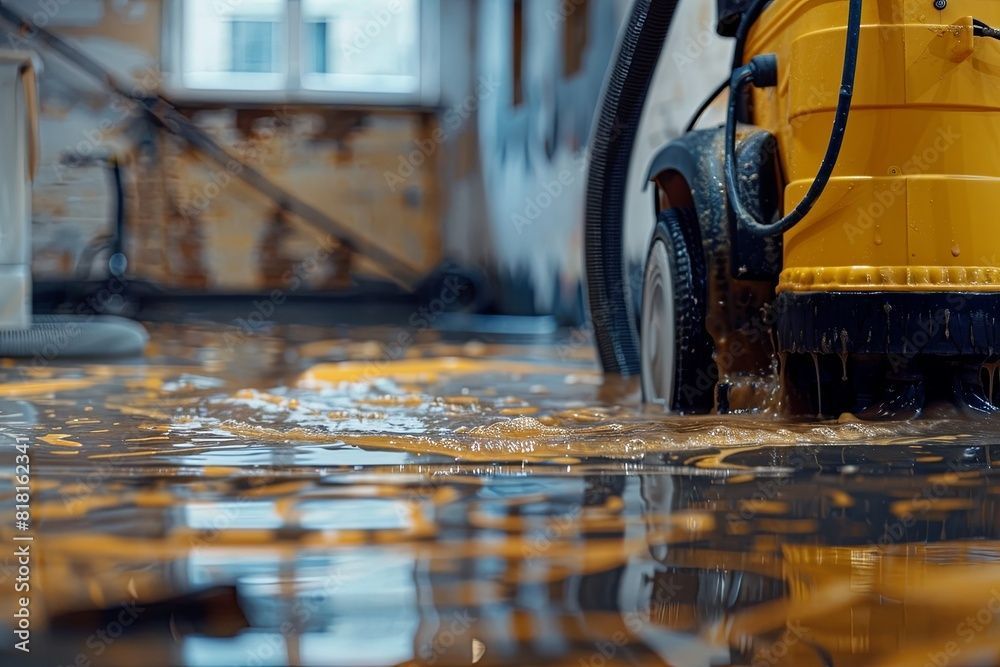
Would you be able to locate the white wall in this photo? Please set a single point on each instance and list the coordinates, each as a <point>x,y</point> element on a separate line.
<point>695,60</point>
<point>534,163</point>
<point>534,195</point>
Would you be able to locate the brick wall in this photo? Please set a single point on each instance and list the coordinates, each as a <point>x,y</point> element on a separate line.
<point>190,223</point>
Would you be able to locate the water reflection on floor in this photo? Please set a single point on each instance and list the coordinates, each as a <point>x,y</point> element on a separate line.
<point>305,497</point>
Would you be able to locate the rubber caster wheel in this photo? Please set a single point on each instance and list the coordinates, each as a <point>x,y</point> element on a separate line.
<point>677,369</point>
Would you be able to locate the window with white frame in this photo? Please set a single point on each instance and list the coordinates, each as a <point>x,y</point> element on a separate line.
<point>339,50</point>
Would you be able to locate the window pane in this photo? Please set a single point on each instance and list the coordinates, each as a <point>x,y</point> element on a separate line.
<point>252,46</point>
<point>370,46</point>
<point>234,44</point>
<point>317,43</point>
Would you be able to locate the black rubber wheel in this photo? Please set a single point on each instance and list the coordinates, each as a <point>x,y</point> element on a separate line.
<point>677,368</point>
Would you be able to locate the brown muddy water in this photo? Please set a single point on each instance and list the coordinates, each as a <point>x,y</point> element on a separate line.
<point>298,498</point>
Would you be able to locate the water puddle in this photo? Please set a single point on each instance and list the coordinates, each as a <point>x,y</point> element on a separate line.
<point>307,498</point>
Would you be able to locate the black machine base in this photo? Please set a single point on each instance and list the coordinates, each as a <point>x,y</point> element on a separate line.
<point>907,324</point>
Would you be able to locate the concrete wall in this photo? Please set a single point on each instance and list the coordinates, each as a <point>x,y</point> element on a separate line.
<point>534,153</point>
<point>533,148</point>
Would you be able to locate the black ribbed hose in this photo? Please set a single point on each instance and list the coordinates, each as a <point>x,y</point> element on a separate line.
<point>611,307</point>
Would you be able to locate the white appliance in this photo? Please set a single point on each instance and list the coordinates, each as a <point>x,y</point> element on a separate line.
<point>42,337</point>
<point>18,160</point>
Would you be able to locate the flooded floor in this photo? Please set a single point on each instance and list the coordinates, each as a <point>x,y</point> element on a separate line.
<point>368,497</point>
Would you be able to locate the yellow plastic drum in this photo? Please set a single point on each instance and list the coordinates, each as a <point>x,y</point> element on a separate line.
<point>914,201</point>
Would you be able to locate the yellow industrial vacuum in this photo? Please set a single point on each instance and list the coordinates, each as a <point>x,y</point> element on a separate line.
<point>833,248</point>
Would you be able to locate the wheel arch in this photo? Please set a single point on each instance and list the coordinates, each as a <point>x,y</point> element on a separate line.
<point>689,171</point>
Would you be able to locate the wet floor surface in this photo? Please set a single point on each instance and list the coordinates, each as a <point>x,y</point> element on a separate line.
<point>369,497</point>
